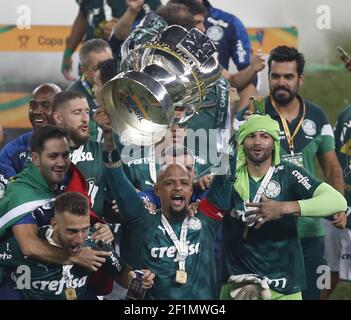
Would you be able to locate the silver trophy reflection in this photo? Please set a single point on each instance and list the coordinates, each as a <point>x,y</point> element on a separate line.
<point>174,71</point>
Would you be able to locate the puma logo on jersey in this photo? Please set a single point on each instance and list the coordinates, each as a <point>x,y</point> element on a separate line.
<point>162,229</point>
<point>171,252</point>
<point>23,280</point>
<point>302,179</point>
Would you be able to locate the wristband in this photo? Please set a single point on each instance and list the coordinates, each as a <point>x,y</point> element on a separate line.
<point>67,53</point>
<point>66,62</point>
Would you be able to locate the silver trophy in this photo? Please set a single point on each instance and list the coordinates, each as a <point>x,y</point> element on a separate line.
<point>175,70</point>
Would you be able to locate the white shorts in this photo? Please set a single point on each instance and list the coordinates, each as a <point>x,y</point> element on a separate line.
<point>333,246</point>
<point>345,259</point>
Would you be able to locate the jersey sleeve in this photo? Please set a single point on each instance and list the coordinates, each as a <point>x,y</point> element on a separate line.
<point>327,135</point>
<point>7,158</point>
<point>222,185</point>
<point>241,47</point>
<point>302,183</point>
<point>130,205</point>
<point>113,264</point>
<point>27,219</point>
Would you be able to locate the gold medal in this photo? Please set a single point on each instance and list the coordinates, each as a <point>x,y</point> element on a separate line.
<point>71,294</point>
<point>181,276</point>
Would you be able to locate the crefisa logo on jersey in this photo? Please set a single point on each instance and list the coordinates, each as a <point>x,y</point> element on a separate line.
<point>23,279</point>
<point>272,190</point>
<point>309,127</point>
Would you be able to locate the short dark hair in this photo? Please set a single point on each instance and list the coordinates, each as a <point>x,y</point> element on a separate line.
<point>194,6</point>
<point>72,202</point>
<point>108,69</point>
<point>62,97</point>
<point>92,45</point>
<point>43,134</point>
<point>284,54</point>
<point>175,13</point>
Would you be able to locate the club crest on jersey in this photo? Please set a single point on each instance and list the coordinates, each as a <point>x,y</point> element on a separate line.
<point>194,223</point>
<point>309,127</point>
<point>272,190</point>
<point>215,33</point>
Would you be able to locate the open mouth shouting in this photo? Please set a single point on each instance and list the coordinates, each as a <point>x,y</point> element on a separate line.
<point>177,201</point>
<point>75,250</point>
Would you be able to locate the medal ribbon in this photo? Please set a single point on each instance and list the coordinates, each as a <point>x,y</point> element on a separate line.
<point>288,135</point>
<point>259,193</point>
<point>179,244</point>
<point>67,275</point>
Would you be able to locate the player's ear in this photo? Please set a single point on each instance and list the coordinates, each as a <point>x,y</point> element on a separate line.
<point>301,79</point>
<point>36,159</point>
<point>157,189</point>
<point>57,118</point>
<point>53,222</point>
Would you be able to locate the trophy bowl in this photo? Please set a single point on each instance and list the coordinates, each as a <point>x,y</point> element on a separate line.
<point>175,70</point>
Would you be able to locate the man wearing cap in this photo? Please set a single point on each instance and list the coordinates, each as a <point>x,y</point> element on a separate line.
<point>264,196</point>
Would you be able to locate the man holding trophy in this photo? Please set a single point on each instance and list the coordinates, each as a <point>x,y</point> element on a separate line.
<point>172,72</point>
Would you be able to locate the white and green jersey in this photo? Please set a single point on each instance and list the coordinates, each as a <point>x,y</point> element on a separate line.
<point>314,138</point>
<point>38,280</point>
<point>213,120</point>
<point>343,148</point>
<point>272,251</point>
<point>148,245</point>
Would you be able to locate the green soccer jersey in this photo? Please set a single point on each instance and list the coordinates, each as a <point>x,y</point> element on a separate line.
<point>119,8</point>
<point>38,280</point>
<point>94,10</point>
<point>151,247</point>
<point>314,138</point>
<point>211,125</point>
<point>343,148</point>
<point>141,167</point>
<point>88,159</point>
<point>272,251</point>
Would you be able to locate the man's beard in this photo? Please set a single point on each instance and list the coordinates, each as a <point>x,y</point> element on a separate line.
<point>265,156</point>
<point>281,100</point>
<point>177,215</point>
<point>77,139</point>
